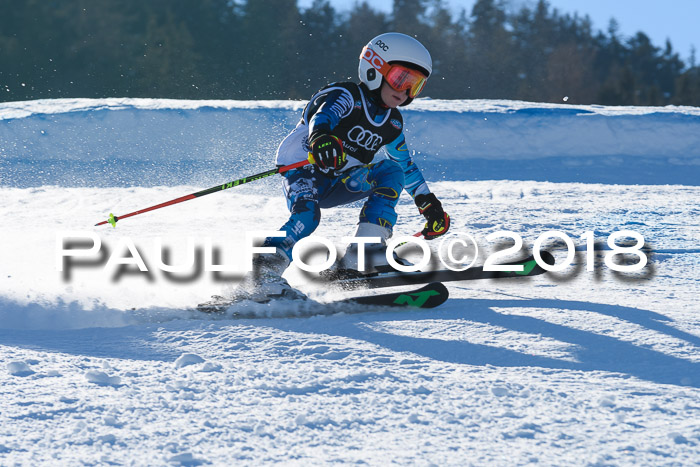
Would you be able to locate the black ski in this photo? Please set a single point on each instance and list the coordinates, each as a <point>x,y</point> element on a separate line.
<point>396,278</point>
<point>428,296</point>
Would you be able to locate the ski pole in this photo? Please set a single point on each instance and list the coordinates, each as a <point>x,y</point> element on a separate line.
<point>113,219</point>
<point>417,234</point>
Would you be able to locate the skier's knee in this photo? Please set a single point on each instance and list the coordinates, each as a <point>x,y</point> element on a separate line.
<point>307,214</point>
<point>389,175</point>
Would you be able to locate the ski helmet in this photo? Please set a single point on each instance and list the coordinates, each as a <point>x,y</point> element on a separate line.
<point>390,48</point>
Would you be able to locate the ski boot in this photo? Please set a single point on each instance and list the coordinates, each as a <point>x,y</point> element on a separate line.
<point>266,281</point>
<point>351,265</point>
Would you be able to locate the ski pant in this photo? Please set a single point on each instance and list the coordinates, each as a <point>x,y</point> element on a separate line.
<point>308,190</point>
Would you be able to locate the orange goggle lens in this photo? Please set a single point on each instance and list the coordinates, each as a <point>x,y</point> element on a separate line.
<point>402,78</point>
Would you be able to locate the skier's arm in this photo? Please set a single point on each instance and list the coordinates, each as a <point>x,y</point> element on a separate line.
<point>414,182</point>
<point>438,222</point>
<point>337,104</point>
<point>326,148</point>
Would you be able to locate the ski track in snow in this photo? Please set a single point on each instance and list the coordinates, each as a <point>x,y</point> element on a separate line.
<point>572,368</point>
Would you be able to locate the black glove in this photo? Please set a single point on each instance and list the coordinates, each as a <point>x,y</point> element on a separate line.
<point>327,151</point>
<point>438,221</point>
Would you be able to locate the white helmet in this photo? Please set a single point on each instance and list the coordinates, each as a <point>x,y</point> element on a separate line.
<point>388,48</point>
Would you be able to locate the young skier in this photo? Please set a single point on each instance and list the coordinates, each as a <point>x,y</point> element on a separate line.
<point>341,130</point>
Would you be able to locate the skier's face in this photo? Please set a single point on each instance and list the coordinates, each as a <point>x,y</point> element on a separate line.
<point>391,97</point>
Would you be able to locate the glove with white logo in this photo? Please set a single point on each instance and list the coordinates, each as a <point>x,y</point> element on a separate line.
<point>327,152</point>
<point>438,221</point>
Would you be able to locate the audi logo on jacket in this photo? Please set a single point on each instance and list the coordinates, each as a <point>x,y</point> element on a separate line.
<point>350,112</point>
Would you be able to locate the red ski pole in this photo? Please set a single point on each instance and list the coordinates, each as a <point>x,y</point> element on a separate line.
<point>113,219</point>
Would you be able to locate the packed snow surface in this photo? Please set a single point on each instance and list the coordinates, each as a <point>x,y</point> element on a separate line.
<point>103,363</point>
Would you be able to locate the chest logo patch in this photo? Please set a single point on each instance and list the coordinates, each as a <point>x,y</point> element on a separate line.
<point>365,138</point>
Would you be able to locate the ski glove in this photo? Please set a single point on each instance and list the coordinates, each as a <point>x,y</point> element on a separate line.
<point>327,152</point>
<point>438,221</point>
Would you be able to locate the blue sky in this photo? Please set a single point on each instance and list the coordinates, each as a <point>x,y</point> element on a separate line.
<point>659,19</point>
<point>677,20</point>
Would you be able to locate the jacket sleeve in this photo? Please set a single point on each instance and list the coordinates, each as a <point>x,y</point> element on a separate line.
<point>414,182</point>
<point>337,104</point>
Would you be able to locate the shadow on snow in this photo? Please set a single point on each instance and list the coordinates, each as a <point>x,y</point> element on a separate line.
<point>594,352</point>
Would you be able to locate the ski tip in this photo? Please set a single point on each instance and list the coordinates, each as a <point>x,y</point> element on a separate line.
<point>438,287</point>
<point>428,296</point>
<point>439,294</point>
<point>547,257</point>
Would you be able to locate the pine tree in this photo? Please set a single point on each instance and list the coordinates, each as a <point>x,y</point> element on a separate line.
<point>490,53</point>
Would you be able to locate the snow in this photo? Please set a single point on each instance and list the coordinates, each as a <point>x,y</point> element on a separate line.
<point>138,142</point>
<point>102,364</point>
<point>103,379</point>
<point>188,359</point>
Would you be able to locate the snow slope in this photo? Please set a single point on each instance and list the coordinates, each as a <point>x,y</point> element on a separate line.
<point>573,368</point>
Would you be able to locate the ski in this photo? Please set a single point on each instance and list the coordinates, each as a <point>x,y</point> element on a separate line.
<point>428,296</point>
<point>397,278</point>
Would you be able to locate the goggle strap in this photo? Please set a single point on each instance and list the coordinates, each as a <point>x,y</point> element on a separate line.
<point>376,61</point>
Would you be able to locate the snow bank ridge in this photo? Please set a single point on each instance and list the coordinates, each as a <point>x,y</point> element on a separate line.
<point>87,129</point>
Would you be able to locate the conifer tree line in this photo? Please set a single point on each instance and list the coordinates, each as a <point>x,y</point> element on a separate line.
<point>273,49</point>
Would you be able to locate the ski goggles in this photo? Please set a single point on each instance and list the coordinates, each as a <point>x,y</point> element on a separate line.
<point>399,77</point>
